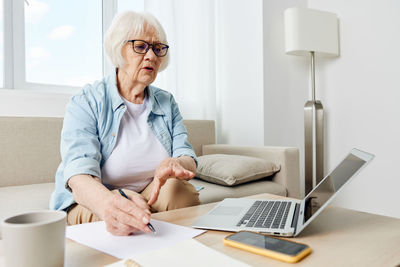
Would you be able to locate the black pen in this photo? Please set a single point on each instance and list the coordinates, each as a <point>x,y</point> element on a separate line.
<point>149,224</point>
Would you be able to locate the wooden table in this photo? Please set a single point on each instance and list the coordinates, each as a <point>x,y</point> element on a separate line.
<point>338,237</point>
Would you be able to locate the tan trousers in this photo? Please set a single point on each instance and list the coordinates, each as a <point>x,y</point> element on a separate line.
<point>174,194</point>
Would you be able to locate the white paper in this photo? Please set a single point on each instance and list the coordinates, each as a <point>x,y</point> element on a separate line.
<point>187,253</point>
<point>95,235</point>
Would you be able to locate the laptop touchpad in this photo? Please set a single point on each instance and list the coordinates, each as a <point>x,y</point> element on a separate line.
<point>226,211</point>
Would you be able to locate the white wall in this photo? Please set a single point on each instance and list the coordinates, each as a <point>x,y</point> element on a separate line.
<point>285,83</point>
<point>361,93</point>
<point>240,92</point>
<point>31,104</point>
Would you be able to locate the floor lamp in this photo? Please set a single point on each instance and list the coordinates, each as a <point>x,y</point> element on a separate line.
<point>310,32</point>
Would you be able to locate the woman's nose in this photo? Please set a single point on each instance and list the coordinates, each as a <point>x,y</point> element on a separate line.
<point>150,55</point>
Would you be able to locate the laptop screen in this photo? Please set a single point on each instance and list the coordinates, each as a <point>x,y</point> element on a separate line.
<point>331,184</point>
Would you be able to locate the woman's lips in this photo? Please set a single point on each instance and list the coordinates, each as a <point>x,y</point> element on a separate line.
<point>148,69</point>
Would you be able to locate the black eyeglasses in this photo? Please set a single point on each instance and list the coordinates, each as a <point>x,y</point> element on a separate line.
<point>141,47</point>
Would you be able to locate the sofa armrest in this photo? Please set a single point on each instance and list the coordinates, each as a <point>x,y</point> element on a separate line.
<point>286,157</point>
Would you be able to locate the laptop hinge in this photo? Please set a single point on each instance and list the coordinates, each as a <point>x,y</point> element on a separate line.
<point>296,216</point>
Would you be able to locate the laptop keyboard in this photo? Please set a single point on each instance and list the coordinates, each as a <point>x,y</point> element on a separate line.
<point>266,214</point>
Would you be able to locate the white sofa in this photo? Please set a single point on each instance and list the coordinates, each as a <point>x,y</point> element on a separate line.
<point>29,157</point>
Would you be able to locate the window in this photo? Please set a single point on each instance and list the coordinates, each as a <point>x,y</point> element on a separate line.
<point>1,45</point>
<point>57,46</point>
<point>63,42</point>
<point>53,46</point>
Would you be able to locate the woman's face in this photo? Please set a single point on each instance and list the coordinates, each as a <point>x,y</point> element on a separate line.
<point>141,68</point>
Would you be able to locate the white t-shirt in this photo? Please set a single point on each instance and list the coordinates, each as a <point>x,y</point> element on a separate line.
<point>137,151</point>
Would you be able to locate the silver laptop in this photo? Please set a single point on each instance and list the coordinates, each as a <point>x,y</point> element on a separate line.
<point>283,217</point>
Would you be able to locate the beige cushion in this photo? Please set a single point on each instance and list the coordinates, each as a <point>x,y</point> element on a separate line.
<point>231,170</point>
<point>212,192</point>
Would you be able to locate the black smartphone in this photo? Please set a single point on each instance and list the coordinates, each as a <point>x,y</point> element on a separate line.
<point>273,247</point>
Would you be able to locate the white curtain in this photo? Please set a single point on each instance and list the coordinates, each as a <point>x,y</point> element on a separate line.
<point>216,70</point>
<point>191,74</point>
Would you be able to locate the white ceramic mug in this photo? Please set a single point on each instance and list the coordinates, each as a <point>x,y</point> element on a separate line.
<point>35,239</point>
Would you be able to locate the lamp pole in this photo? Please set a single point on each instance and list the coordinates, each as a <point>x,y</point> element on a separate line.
<point>313,136</point>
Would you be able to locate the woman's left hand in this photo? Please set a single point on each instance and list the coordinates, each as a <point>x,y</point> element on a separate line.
<point>168,168</point>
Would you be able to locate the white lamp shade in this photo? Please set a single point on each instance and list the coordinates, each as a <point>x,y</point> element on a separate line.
<point>309,30</point>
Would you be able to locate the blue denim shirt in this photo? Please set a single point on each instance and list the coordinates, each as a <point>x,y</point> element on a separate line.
<point>90,130</point>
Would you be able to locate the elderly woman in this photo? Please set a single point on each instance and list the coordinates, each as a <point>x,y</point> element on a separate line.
<point>123,133</point>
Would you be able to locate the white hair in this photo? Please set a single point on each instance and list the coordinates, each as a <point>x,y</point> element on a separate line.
<point>126,25</point>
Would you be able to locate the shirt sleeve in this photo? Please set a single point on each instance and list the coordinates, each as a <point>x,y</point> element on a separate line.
<point>180,144</point>
<point>80,145</point>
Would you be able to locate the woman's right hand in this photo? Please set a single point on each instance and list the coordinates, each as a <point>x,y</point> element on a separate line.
<point>125,216</point>
<point>122,216</point>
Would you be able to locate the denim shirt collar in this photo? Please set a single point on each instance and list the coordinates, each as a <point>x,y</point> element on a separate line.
<point>112,88</point>
<point>117,99</point>
<point>155,106</point>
